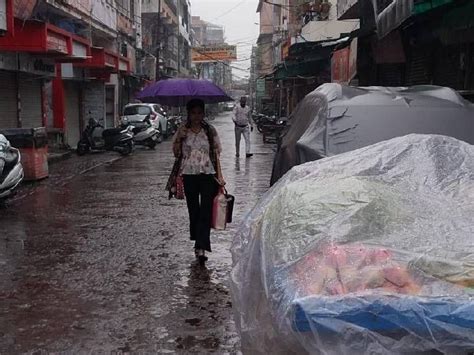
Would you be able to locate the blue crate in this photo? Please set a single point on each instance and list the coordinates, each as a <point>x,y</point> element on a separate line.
<point>424,317</point>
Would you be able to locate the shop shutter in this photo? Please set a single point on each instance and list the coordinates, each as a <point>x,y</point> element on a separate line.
<point>30,99</point>
<point>447,72</point>
<point>94,101</point>
<point>8,100</point>
<point>390,74</point>
<point>73,132</point>
<point>419,72</point>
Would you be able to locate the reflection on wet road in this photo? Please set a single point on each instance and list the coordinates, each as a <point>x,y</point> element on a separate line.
<point>96,258</point>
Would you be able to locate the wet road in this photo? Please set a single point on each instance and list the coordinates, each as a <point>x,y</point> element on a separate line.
<point>96,258</point>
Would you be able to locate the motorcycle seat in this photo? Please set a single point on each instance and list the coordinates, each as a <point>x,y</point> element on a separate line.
<point>137,130</point>
<point>111,132</point>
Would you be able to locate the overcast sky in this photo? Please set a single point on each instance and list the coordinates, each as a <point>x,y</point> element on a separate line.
<point>238,17</point>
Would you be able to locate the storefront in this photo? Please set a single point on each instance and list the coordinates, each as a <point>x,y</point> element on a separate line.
<point>8,99</point>
<point>53,78</point>
<point>22,78</point>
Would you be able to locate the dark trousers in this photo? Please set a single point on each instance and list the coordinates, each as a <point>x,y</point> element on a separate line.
<point>200,191</point>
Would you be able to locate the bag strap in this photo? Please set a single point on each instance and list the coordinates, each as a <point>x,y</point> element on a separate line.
<point>221,188</point>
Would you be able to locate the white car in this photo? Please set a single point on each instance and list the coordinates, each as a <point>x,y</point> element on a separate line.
<point>229,106</point>
<point>137,113</point>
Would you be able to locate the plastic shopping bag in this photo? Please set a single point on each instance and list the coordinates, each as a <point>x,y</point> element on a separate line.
<point>222,209</point>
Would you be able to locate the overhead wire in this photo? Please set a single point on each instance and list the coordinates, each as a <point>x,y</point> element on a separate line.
<point>230,10</point>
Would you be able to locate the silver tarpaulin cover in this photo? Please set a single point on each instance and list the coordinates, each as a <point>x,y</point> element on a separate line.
<point>370,251</point>
<point>335,119</point>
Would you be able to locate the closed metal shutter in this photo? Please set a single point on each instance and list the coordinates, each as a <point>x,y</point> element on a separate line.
<point>8,100</point>
<point>73,132</point>
<point>447,69</point>
<point>419,72</point>
<point>94,101</point>
<point>390,74</point>
<point>30,100</point>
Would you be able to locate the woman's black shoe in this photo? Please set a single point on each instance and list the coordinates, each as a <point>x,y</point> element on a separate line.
<point>202,260</point>
<point>201,255</point>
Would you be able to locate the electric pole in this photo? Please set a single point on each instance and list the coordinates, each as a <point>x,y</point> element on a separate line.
<point>158,41</point>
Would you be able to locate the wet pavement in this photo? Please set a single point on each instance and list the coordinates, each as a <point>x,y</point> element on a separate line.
<point>97,259</point>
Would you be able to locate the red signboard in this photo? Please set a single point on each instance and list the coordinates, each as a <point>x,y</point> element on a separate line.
<point>340,66</point>
<point>36,37</point>
<point>56,43</point>
<point>110,60</point>
<point>344,64</point>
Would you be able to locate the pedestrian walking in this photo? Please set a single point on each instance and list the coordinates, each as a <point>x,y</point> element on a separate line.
<point>197,147</point>
<point>243,126</point>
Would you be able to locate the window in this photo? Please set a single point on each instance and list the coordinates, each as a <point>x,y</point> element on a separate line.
<point>137,110</point>
<point>123,6</point>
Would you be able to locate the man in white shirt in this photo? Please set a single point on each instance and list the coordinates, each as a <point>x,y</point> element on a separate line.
<point>243,126</point>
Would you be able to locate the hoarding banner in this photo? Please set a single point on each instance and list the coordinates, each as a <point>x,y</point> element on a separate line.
<point>214,54</point>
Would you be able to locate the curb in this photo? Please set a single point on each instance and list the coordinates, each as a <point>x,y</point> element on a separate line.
<point>56,157</point>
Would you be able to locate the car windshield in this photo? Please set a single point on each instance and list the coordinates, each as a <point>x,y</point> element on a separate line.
<point>137,110</point>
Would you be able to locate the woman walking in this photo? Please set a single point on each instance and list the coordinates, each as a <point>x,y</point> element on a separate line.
<point>197,148</point>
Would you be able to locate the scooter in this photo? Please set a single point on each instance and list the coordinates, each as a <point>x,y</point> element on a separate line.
<point>96,138</point>
<point>11,170</point>
<point>144,133</point>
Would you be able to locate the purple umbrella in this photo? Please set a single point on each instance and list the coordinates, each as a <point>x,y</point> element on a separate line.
<point>177,92</point>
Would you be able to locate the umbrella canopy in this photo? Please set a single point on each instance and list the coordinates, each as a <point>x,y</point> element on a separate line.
<point>177,92</point>
<point>335,119</point>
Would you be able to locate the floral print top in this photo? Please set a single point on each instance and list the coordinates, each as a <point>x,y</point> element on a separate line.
<point>195,152</point>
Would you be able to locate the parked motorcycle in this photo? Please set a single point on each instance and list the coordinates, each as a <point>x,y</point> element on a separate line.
<point>174,122</point>
<point>96,138</point>
<point>144,133</point>
<point>269,123</point>
<point>11,170</point>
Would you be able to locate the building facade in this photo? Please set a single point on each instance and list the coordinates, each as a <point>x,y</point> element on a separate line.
<point>294,50</point>
<point>210,35</point>
<point>167,37</point>
<point>67,61</point>
<point>414,42</point>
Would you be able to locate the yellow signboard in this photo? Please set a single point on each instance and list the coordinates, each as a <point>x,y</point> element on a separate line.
<point>214,54</point>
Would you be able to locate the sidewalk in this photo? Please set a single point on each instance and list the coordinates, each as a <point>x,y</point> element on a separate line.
<point>55,156</point>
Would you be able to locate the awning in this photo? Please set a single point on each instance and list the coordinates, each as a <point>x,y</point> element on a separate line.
<point>314,50</point>
<point>306,68</point>
<point>108,61</point>
<point>37,37</point>
<point>423,6</point>
<point>307,59</point>
<point>81,50</point>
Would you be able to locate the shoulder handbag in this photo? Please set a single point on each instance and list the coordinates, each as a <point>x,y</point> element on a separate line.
<point>179,186</point>
<point>175,184</point>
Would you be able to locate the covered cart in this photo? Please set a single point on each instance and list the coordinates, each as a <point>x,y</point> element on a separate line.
<point>335,119</point>
<point>370,251</point>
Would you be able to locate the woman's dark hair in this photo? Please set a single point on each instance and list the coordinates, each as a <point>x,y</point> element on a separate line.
<point>195,103</point>
<point>207,128</point>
